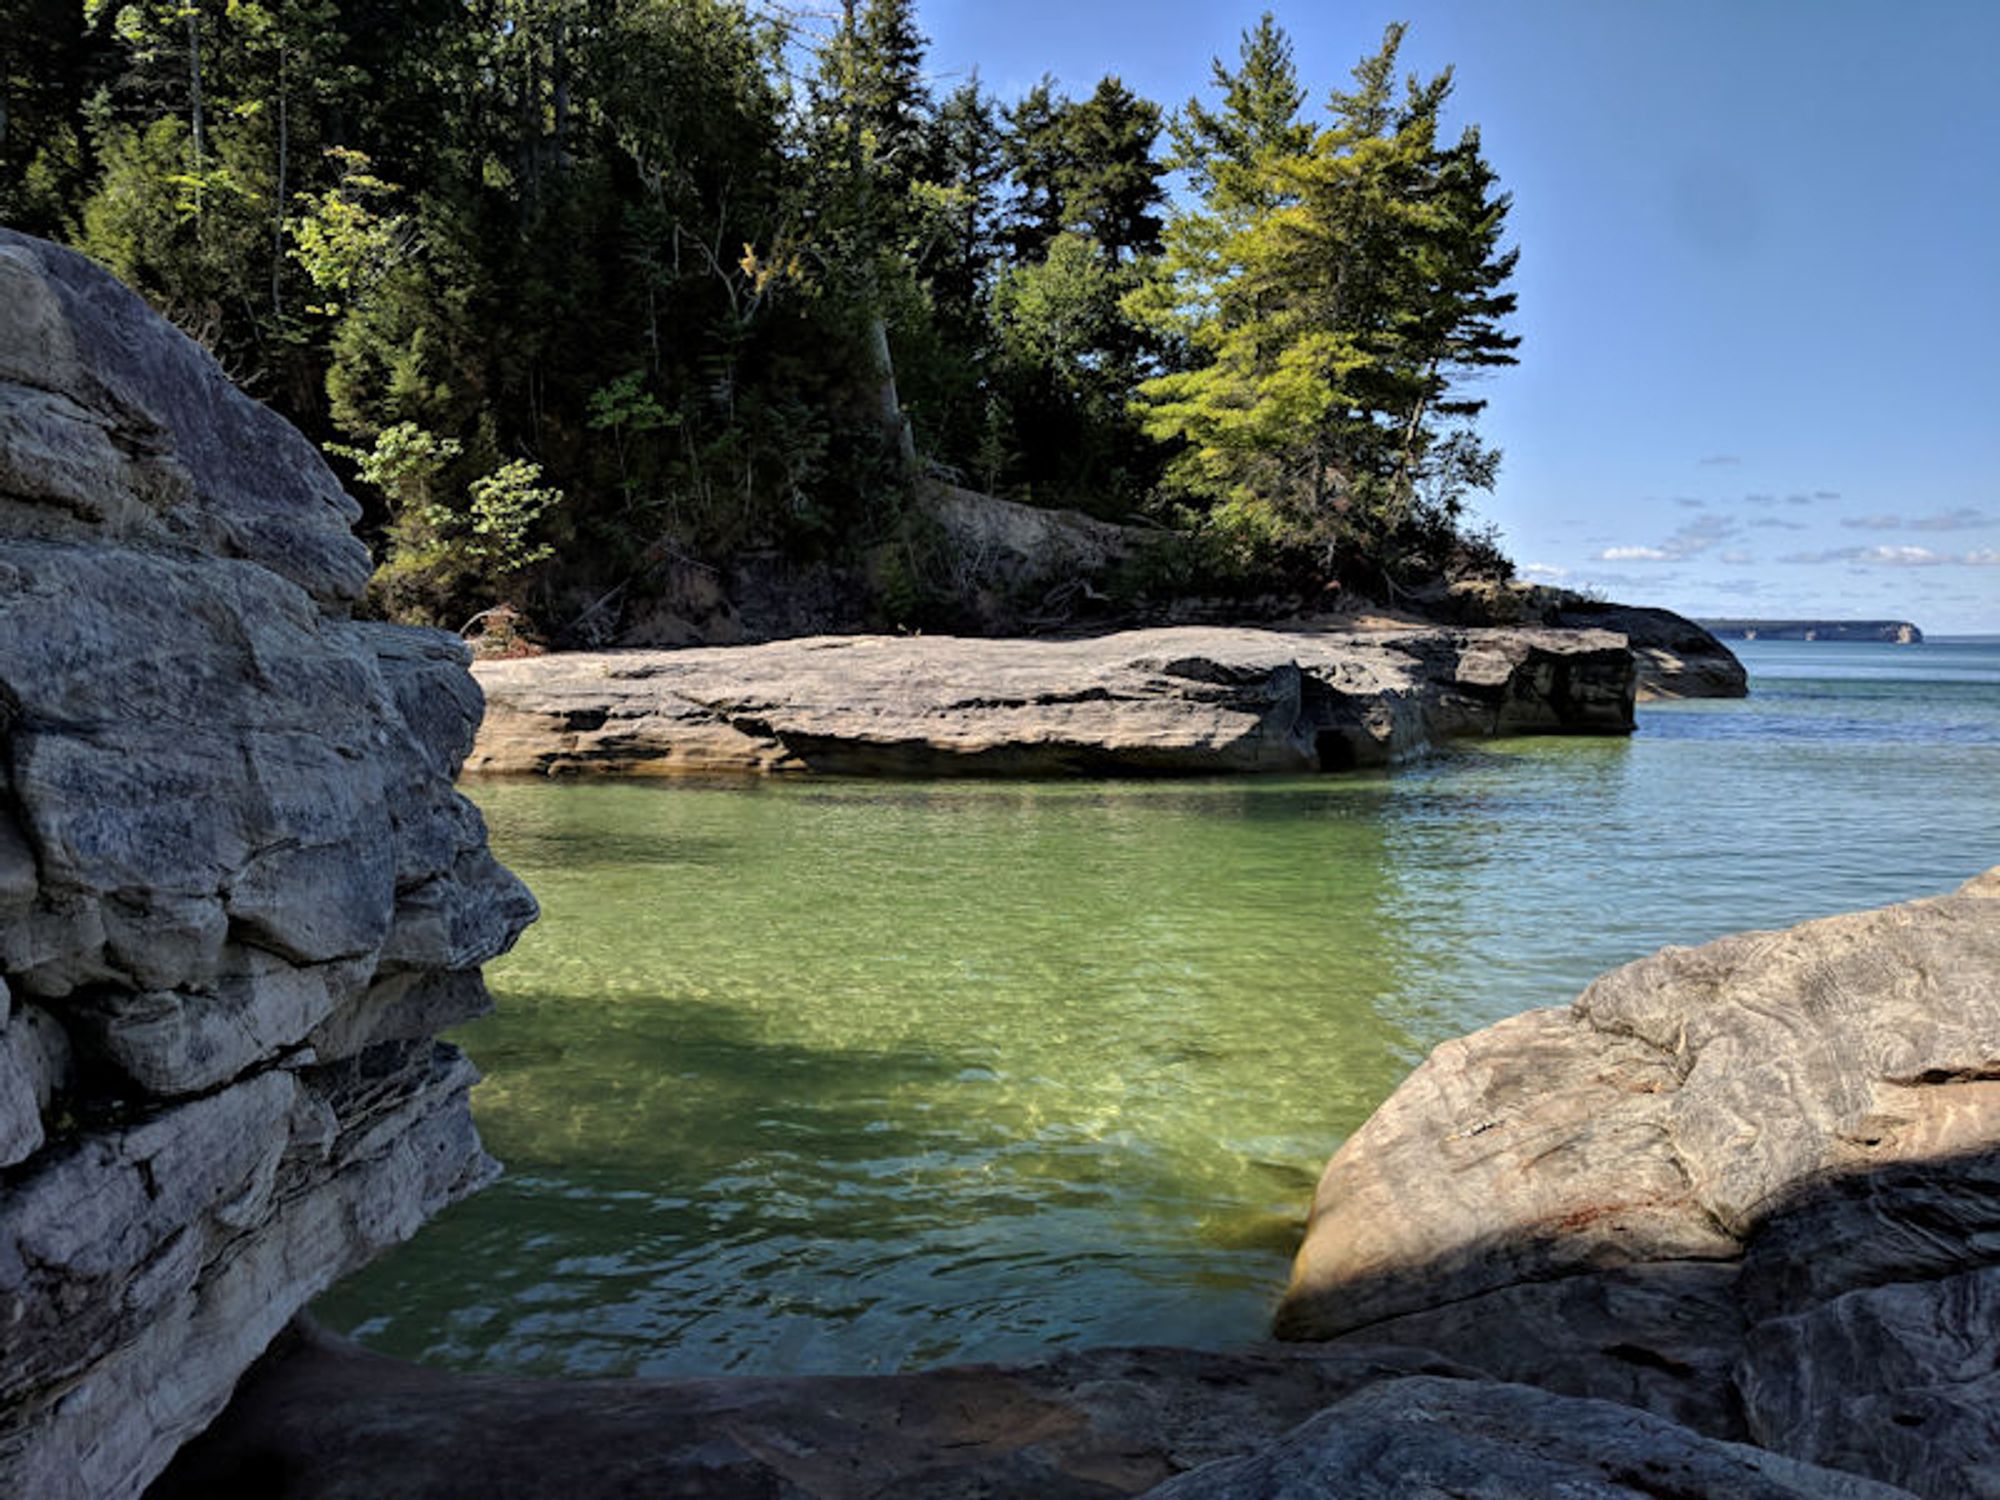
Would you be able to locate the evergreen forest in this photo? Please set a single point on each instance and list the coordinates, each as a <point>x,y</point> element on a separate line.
<point>575,291</point>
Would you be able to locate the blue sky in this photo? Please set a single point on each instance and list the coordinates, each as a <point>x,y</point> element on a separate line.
<point>1760,273</point>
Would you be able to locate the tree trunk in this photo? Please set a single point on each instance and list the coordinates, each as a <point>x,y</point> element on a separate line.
<point>895,426</point>
<point>284,163</point>
<point>194,93</point>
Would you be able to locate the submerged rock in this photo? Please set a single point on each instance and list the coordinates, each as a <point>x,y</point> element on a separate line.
<point>238,892</point>
<point>1173,700</point>
<point>1790,1141</point>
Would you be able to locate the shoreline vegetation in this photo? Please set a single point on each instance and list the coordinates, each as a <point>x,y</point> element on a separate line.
<point>619,313</point>
<point>648,323</point>
<point>224,1091</point>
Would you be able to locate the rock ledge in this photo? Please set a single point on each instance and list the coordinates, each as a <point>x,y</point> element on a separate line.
<point>1176,700</point>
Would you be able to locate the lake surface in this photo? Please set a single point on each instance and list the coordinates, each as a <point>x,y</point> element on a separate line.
<point>853,1076</point>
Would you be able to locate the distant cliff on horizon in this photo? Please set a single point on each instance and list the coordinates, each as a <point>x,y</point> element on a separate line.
<point>1901,632</point>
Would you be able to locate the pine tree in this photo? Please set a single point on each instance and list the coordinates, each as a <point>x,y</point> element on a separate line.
<point>1260,116</point>
<point>1334,294</point>
<point>1085,168</point>
<point>1110,183</point>
<point>962,170</point>
<point>870,108</point>
<point>1036,151</point>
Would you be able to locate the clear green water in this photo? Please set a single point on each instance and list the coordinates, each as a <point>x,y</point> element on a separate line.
<point>863,1076</point>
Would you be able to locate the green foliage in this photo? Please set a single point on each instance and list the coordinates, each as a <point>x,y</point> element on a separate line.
<point>1085,168</point>
<point>507,506</point>
<point>1335,287</point>
<point>403,463</point>
<point>45,157</point>
<point>342,237</point>
<point>575,285</point>
<point>1068,357</point>
<point>625,405</point>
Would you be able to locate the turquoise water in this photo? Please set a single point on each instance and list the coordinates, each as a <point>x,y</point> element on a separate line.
<point>863,1076</point>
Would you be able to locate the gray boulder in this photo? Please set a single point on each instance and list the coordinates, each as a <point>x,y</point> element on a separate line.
<point>238,892</point>
<point>1754,1186</point>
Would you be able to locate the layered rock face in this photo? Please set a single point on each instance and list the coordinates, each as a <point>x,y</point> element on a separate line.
<point>1753,1187</point>
<point>1175,700</point>
<point>1676,657</point>
<point>238,893</point>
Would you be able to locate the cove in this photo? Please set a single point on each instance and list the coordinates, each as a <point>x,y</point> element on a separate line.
<point>863,1075</point>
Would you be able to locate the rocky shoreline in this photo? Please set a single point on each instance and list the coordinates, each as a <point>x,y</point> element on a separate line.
<point>1728,1226</point>
<point>238,892</point>
<point>1177,700</point>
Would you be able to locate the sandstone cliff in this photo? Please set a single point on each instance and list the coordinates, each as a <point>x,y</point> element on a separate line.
<point>1173,700</point>
<point>238,893</point>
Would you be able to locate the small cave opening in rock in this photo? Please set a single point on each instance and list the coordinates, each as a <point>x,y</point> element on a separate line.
<point>1334,751</point>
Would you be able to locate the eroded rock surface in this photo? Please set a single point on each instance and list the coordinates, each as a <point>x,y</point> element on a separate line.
<point>1079,1426</point>
<point>238,892</point>
<point>1173,700</point>
<point>1753,1185</point>
<point>1421,1438</point>
<point>1676,658</point>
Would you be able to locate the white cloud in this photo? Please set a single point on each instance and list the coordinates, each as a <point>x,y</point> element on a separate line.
<point>1693,537</point>
<point>1960,518</point>
<point>1897,557</point>
<point>1901,557</point>
<point>1544,570</point>
<point>1634,554</point>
